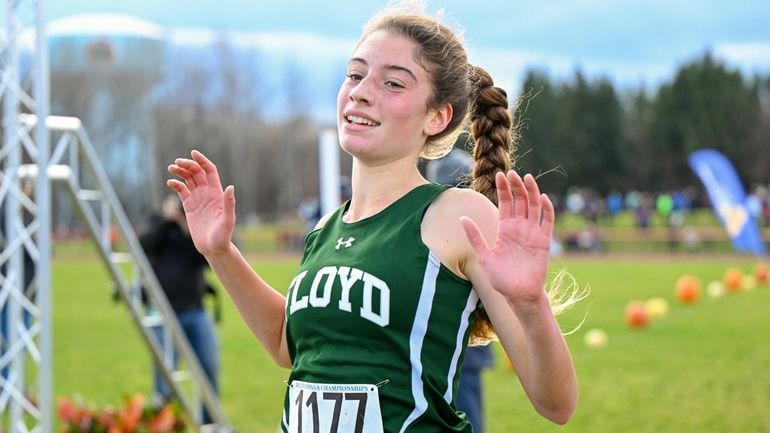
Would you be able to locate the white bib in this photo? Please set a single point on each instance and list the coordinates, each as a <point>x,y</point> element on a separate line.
<point>331,408</point>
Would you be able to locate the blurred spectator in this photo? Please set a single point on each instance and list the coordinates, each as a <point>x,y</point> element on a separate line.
<point>754,206</point>
<point>614,203</point>
<point>470,394</point>
<point>594,206</point>
<point>585,240</point>
<point>664,204</point>
<point>575,201</point>
<point>764,203</point>
<point>691,238</point>
<point>310,210</point>
<point>633,199</point>
<point>588,239</point>
<point>674,223</point>
<point>643,213</point>
<point>180,271</point>
<point>766,212</point>
<point>682,200</point>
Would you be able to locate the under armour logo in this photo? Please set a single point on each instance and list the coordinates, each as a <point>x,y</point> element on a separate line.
<point>344,243</point>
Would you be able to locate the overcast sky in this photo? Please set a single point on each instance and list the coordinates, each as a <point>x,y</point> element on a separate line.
<point>632,42</point>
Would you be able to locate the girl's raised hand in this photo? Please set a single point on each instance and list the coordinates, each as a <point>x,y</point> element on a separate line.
<point>210,211</point>
<point>516,265</point>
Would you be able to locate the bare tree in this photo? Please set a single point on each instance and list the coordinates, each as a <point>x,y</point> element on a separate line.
<point>213,103</point>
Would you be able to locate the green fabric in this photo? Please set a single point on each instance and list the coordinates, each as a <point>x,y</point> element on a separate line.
<point>388,326</point>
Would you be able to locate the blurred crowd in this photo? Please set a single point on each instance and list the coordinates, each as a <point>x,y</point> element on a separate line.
<point>670,209</point>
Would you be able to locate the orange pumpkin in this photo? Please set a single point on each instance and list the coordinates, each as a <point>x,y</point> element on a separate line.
<point>636,315</point>
<point>688,289</point>
<point>733,279</point>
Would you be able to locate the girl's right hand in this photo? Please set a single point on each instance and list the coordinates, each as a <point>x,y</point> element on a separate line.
<point>210,211</point>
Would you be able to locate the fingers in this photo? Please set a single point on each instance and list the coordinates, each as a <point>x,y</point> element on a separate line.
<point>519,195</point>
<point>179,187</point>
<point>179,171</point>
<point>474,235</point>
<point>549,215</point>
<point>208,167</point>
<point>533,196</point>
<point>527,200</point>
<point>195,176</point>
<point>229,210</point>
<point>195,172</point>
<point>186,175</point>
<point>504,196</point>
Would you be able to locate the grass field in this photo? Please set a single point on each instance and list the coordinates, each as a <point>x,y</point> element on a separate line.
<point>700,368</point>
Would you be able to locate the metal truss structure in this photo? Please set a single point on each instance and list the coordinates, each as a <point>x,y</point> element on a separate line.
<point>31,167</point>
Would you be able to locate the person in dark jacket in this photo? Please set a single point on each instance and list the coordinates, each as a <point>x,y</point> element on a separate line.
<point>180,270</point>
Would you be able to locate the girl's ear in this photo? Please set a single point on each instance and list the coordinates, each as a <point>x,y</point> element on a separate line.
<point>438,119</point>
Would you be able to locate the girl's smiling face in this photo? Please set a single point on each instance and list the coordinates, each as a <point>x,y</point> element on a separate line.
<point>382,107</point>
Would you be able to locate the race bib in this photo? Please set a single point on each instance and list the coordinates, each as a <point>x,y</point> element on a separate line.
<point>329,408</point>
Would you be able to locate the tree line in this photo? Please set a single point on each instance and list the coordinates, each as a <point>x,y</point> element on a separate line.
<point>587,134</point>
<point>577,132</point>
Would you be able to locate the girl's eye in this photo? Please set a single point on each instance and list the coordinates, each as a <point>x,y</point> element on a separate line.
<point>393,84</point>
<point>355,77</point>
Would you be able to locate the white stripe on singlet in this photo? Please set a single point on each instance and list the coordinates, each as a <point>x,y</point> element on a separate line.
<point>470,306</point>
<point>419,328</point>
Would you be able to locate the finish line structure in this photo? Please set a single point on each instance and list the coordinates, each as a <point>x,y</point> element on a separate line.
<point>71,164</point>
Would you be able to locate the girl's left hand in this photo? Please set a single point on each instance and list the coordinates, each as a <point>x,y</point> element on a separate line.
<point>516,265</point>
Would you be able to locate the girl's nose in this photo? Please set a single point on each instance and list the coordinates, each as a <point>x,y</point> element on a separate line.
<point>361,92</point>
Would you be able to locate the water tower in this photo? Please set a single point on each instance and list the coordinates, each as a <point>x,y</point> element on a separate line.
<point>103,70</point>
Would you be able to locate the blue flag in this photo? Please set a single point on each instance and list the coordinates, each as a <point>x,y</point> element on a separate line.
<point>728,199</point>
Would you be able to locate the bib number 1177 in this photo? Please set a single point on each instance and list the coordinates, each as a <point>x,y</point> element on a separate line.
<point>329,408</point>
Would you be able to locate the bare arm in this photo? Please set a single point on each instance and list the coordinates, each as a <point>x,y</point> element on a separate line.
<point>210,213</point>
<point>510,278</point>
<point>261,306</point>
<point>533,342</point>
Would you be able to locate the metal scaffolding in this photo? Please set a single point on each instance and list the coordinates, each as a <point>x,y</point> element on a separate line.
<point>25,291</point>
<point>26,382</point>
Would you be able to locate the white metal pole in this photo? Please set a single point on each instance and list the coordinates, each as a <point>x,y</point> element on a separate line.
<point>329,170</point>
<point>43,240</point>
<point>14,266</point>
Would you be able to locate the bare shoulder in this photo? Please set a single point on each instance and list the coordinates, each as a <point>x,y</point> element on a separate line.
<point>442,231</point>
<point>458,202</point>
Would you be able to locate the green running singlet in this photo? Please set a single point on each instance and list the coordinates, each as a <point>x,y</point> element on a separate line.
<point>372,305</point>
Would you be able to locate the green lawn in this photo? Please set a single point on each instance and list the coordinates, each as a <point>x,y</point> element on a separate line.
<point>701,368</point>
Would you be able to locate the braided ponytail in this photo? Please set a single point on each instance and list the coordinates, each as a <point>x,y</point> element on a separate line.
<point>495,137</point>
<point>491,131</point>
<point>491,124</point>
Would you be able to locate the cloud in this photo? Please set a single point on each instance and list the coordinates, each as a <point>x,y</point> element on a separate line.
<point>748,56</point>
<point>324,57</point>
<point>508,68</point>
<point>104,24</point>
<point>306,47</point>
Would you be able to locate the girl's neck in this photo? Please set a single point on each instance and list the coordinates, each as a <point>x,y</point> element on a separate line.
<point>375,188</point>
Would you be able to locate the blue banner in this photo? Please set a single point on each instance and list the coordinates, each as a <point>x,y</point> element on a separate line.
<point>728,199</point>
